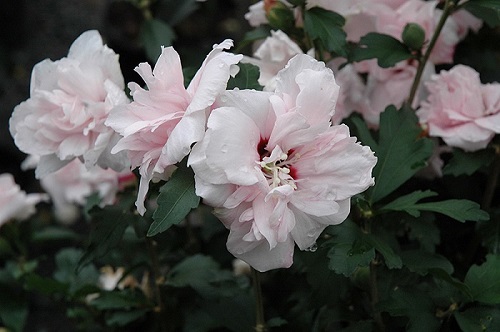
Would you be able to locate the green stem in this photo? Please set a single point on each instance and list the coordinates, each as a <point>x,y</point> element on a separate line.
<point>157,279</point>
<point>260,323</point>
<point>489,192</point>
<point>447,10</point>
<point>375,298</point>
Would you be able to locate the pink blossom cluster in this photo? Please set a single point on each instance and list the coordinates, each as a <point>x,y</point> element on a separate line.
<point>381,86</point>
<point>270,162</point>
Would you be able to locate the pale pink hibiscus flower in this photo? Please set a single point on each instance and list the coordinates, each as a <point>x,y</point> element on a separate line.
<point>69,100</point>
<point>162,122</point>
<point>14,202</point>
<point>461,110</point>
<point>274,168</point>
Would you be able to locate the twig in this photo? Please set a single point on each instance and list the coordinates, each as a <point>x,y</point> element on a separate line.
<point>260,323</point>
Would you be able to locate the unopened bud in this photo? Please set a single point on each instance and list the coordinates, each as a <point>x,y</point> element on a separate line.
<point>280,17</point>
<point>413,36</point>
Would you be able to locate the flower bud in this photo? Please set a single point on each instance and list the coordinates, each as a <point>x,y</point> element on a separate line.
<point>413,36</point>
<point>280,17</point>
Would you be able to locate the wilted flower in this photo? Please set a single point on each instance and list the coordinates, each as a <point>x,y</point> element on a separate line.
<point>162,123</point>
<point>461,110</point>
<point>274,168</point>
<point>69,100</point>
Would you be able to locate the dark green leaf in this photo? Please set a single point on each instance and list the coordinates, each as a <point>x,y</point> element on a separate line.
<point>326,26</point>
<point>484,280</point>
<point>51,233</point>
<point>154,34</point>
<point>478,319</point>
<point>415,305</point>
<point>13,308</point>
<point>66,272</point>
<point>119,299</point>
<point>407,202</point>
<point>174,11</point>
<point>400,151</point>
<point>392,260</point>
<point>253,35</point>
<point>247,78</point>
<point>386,49</point>
<point>201,273</point>
<point>425,231</point>
<point>458,209</point>
<point>44,285</point>
<point>107,227</point>
<point>362,132</point>
<point>230,313</point>
<point>421,262</point>
<point>468,162</point>
<point>487,10</point>
<point>177,197</point>
<point>490,232</point>
<point>441,274</point>
<point>349,249</point>
<point>122,318</point>
<point>364,325</point>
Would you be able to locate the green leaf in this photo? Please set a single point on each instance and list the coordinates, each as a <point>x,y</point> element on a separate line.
<point>443,275</point>
<point>247,78</point>
<point>407,202</point>
<point>13,308</point>
<point>400,151</point>
<point>459,209</point>
<point>107,227</point>
<point>484,280</point>
<point>201,273</point>
<point>478,319</point>
<point>391,259</point>
<point>386,49</point>
<point>414,304</point>
<point>490,232</point>
<point>120,299</point>
<point>154,34</point>
<point>174,11</point>
<point>51,233</point>
<point>487,10</point>
<point>467,163</point>
<point>13,301</point>
<point>251,36</point>
<point>349,250</point>
<point>421,262</point>
<point>66,272</point>
<point>177,197</point>
<point>425,231</point>
<point>45,285</point>
<point>122,318</point>
<point>361,131</point>
<point>326,26</point>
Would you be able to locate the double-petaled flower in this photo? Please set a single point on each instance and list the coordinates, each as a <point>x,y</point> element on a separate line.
<point>275,169</point>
